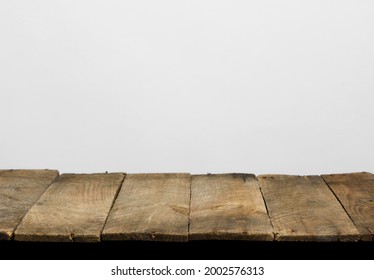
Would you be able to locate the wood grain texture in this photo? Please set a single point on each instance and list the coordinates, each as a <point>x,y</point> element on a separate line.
<point>228,207</point>
<point>355,192</point>
<point>303,208</point>
<point>151,207</point>
<point>19,190</point>
<point>73,208</point>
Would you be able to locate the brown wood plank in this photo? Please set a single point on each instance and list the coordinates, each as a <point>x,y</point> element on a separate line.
<point>228,206</point>
<point>303,208</point>
<point>19,190</point>
<point>150,207</point>
<point>355,191</point>
<point>73,208</point>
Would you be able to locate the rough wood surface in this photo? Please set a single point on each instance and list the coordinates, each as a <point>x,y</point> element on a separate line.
<point>355,191</point>
<point>304,208</point>
<point>228,206</point>
<point>39,205</point>
<point>73,208</point>
<point>19,190</point>
<point>151,207</point>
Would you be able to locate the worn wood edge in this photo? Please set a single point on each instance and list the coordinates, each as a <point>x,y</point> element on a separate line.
<point>36,169</point>
<point>53,238</point>
<point>6,234</point>
<point>265,236</point>
<point>41,238</point>
<point>87,238</point>
<point>144,236</point>
<point>96,173</point>
<point>318,238</point>
<point>243,176</point>
<point>282,176</point>
<point>159,173</point>
<point>367,237</point>
<point>347,173</point>
<point>7,173</point>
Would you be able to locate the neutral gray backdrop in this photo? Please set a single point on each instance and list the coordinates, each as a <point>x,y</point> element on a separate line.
<point>195,86</point>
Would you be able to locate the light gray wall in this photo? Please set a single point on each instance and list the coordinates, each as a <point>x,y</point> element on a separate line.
<point>196,86</point>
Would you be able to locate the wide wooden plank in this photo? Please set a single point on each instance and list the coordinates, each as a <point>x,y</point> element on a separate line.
<point>74,208</point>
<point>19,190</point>
<point>151,207</point>
<point>228,206</point>
<point>304,208</point>
<point>355,191</point>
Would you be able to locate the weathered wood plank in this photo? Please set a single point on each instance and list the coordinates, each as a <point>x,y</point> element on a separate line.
<point>73,208</point>
<point>19,190</point>
<point>150,207</point>
<point>228,206</point>
<point>304,208</point>
<point>355,191</point>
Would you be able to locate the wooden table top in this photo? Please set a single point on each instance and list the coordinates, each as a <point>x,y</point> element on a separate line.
<point>42,205</point>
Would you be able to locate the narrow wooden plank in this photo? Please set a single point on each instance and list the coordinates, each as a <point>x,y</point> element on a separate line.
<point>19,190</point>
<point>73,208</point>
<point>151,207</point>
<point>303,208</point>
<point>228,206</point>
<point>355,191</point>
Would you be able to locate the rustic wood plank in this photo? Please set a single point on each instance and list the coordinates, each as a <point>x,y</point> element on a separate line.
<point>304,208</point>
<point>151,207</point>
<point>228,206</point>
<point>355,192</point>
<point>19,190</point>
<point>73,208</point>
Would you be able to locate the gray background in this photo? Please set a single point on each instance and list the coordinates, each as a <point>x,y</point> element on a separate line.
<point>195,86</point>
